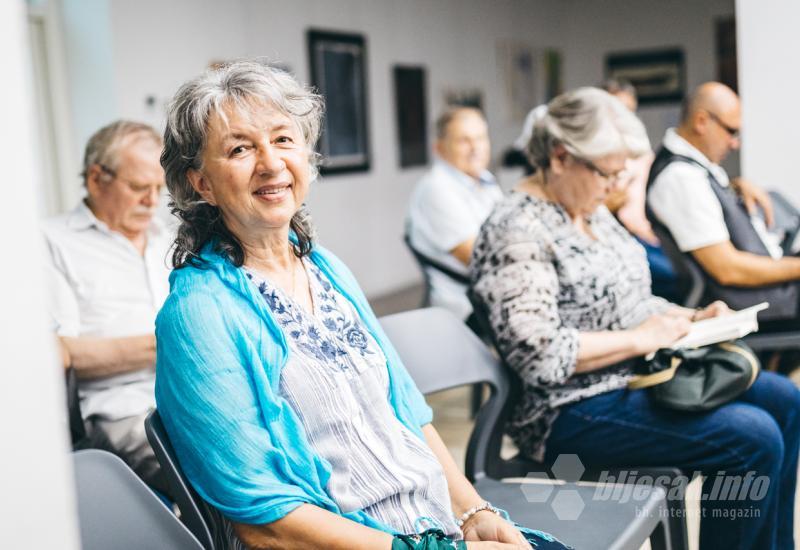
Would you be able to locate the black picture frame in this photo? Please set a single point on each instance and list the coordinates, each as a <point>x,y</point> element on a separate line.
<point>410,98</point>
<point>659,76</point>
<point>338,63</point>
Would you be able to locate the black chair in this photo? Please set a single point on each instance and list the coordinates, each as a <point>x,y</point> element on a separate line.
<point>117,510</point>
<point>79,436</point>
<point>205,523</point>
<point>433,337</point>
<point>425,262</point>
<point>691,280</point>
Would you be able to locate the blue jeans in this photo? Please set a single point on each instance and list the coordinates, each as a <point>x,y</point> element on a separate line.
<point>758,433</point>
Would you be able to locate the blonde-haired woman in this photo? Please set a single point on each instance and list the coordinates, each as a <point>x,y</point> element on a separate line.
<point>567,290</point>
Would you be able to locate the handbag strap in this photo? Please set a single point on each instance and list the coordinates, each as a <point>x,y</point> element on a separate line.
<point>747,354</point>
<point>640,381</point>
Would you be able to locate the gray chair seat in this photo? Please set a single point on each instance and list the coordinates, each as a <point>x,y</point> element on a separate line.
<point>556,509</point>
<point>440,353</point>
<point>116,510</point>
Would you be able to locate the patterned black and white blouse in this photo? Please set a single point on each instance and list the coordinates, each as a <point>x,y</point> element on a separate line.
<point>543,282</point>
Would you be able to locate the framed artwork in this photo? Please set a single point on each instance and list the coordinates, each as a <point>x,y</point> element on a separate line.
<point>463,97</point>
<point>658,76</point>
<point>725,41</point>
<point>412,115</point>
<point>553,76</point>
<point>338,71</point>
<point>519,65</point>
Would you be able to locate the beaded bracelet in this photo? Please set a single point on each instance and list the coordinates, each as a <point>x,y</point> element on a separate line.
<point>474,510</point>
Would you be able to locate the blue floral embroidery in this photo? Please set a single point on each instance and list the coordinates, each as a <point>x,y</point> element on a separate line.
<point>356,338</point>
<point>327,336</point>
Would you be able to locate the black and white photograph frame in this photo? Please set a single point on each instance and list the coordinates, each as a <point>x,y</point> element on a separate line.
<point>339,73</point>
<point>411,113</point>
<point>659,76</point>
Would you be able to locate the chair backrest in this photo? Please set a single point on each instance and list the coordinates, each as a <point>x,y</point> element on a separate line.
<point>77,430</point>
<point>441,352</point>
<point>117,510</point>
<point>691,279</point>
<point>198,516</point>
<point>425,262</point>
<point>497,466</point>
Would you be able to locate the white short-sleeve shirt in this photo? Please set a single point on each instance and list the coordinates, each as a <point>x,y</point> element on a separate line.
<point>100,286</point>
<point>682,199</point>
<point>447,208</point>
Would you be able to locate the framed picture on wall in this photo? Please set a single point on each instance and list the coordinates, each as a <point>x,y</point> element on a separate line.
<point>410,101</point>
<point>338,71</point>
<point>725,40</point>
<point>658,76</point>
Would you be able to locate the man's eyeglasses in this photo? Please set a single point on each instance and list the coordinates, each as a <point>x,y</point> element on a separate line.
<point>610,177</point>
<point>732,132</point>
<point>138,188</point>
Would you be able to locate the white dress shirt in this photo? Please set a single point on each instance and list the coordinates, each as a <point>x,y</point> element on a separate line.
<point>101,286</point>
<point>682,199</point>
<point>447,208</point>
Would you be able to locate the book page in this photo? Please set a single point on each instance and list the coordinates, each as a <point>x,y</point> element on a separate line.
<point>720,329</point>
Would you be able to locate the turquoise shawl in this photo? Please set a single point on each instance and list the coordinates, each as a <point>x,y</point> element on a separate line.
<point>220,353</point>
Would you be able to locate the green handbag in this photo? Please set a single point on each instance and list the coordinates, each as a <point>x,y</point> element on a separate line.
<point>698,379</point>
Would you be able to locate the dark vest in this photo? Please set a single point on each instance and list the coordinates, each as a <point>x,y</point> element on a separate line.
<point>782,298</point>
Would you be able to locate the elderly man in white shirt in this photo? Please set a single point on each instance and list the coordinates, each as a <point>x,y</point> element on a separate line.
<point>109,277</point>
<point>683,198</point>
<point>451,202</point>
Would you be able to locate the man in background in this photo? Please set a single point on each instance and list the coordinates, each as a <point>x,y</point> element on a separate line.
<point>451,201</point>
<point>722,223</point>
<point>108,278</point>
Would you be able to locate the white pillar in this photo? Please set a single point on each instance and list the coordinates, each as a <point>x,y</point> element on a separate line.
<point>768,45</point>
<point>36,502</point>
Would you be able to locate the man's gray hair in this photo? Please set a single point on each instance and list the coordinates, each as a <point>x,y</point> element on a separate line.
<point>616,86</point>
<point>588,123</point>
<point>444,120</point>
<point>242,85</point>
<point>104,146</point>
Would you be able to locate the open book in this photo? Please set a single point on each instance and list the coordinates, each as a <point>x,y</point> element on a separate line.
<point>720,329</point>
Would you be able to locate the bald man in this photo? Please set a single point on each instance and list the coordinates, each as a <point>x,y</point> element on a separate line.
<point>721,223</point>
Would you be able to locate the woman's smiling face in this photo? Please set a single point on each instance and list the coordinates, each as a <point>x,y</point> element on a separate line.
<point>255,169</point>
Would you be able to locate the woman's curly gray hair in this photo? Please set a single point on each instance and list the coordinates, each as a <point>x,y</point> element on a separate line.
<point>589,123</point>
<point>238,84</point>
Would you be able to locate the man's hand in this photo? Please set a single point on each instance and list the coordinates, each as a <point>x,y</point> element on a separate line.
<point>753,197</point>
<point>488,526</point>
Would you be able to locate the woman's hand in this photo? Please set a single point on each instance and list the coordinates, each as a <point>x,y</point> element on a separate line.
<point>660,331</point>
<point>488,526</point>
<point>714,309</point>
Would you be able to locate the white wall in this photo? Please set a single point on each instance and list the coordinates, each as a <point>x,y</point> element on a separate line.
<point>154,46</point>
<point>768,44</point>
<point>85,32</point>
<point>594,29</point>
<point>36,503</point>
<point>157,45</point>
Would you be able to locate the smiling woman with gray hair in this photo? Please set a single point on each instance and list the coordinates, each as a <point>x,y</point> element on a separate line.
<point>567,293</point>
<point>288,408</point>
